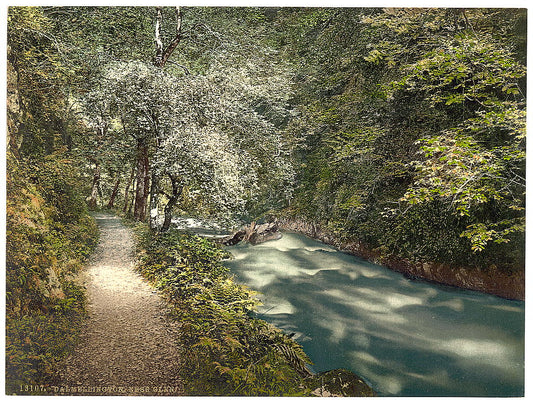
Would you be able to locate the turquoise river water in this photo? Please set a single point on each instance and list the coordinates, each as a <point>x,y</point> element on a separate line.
<point>404,337</point>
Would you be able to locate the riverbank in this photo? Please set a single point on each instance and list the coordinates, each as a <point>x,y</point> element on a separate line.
<point>493,281</point>
<point>225,349</point>
<point>403,337</point>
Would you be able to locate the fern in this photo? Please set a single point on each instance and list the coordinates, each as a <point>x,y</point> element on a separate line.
<point>295,357</point>
<point>225,350</point>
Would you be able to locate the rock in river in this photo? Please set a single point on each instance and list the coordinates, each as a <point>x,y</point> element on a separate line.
<point>340,383</point>
<point>255,234</point>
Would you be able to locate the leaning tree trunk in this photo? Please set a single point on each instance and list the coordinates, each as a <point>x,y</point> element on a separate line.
<point>162,54</point>
<point>142,181</point>
<point>92,199</point>
<point>111,202</point>
<point>177,189</point>
<point>127,190</point>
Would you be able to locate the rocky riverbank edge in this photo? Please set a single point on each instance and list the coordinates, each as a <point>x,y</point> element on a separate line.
<point>492,281</point>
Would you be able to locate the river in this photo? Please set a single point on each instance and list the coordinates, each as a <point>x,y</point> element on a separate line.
<point>404,337</point>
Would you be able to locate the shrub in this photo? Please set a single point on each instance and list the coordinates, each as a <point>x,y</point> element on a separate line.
<point>49,234</point>
<point>226,351</point>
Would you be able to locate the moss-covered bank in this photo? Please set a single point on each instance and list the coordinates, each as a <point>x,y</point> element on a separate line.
<point>49,235</point>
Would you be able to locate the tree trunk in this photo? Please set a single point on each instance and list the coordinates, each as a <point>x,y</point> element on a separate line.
<point>154,201</point>
<point>127,190</point>
<point>131,200</point>
<point>177,189</point>
<point>143,180</point>
<point>92,199</point>
<point>111,202</point>
<point>154,185</point>
<point>162,54</point>
<point>161,57</point>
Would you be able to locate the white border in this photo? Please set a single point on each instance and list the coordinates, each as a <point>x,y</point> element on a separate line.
<point>248,401</point>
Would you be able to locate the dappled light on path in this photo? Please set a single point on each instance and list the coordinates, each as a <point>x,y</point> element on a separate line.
<point>405,337</point>
<point>128,346</point>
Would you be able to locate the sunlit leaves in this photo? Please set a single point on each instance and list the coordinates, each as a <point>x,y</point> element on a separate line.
<point>464,69</point>
<point>460,171</point>
<point>481,234</point>
<point>474,161</point>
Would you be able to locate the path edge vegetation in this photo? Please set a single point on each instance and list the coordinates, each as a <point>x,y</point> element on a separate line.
<point>49,237</point>
<point>226,349</point>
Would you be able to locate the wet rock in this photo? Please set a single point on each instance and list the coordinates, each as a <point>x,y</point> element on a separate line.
<point>264,233</point>
<point>339,383</point>
<point>235,238</point>
<point>255,234</point>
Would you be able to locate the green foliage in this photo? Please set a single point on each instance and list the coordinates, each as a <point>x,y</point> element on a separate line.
<point>48,236</point>
<point>226,351</point>
<point>472,178</point>
<point>47,229</point>
<point>37,343</point>
<point>94,36</point>
<point>419,147</point>
<point>39,76</point>
<point>475,161</point>
<point>49,233</point>
<point>377,109</point>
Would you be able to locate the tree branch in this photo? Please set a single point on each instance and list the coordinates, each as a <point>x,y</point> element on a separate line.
<point>185,69</point>
<point>157,38</point>
<point>162,56</point>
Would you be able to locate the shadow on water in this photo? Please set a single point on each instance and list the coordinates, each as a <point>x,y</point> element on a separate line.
<point>406,338</point>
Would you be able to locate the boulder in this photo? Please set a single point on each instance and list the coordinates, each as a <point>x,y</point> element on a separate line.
<point>340,383</point>
<point>235,238</point>
<point>264,232</point>
<point>254,233</point>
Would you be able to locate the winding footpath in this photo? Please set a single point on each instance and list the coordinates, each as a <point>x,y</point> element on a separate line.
<point>128,346</point>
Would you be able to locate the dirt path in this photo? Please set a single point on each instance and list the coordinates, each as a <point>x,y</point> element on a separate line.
<point>128,346</point>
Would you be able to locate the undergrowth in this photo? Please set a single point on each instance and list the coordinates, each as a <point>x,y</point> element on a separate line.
<point>36,343</point>
<point>225,350</point>
<point>49,235</point>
